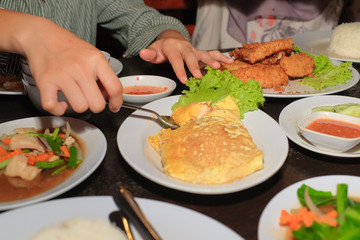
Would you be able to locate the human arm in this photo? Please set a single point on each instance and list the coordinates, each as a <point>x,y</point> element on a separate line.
<point>60,61</point>
<point>156,37</point>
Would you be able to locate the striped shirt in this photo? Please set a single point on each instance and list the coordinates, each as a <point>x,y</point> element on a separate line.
<point>131,22</point>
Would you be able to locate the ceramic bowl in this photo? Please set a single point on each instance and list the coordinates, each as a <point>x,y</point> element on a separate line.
<point>166,84</point>
<point>325,141</point>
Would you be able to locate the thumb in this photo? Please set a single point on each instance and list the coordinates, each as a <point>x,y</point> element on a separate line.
<point>148,55</point>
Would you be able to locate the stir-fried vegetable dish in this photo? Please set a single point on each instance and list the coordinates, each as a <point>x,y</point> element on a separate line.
<point>324,215</point>
<point>28,152</point>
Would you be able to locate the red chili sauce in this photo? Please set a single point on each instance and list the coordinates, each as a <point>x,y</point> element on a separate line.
<point>141,90</point>
<point>335,128</point>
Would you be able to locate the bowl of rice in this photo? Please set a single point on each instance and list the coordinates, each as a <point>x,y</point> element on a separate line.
<point>345,40</point>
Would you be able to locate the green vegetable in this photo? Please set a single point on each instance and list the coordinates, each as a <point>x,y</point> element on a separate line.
<point>59,170</point>
<point>348,217</point>
<point>351,109</point>
<point>72,162</point>
<point>326,74</point>
<point>216,85</point>
<point>48,164</point>
<point>319,198</point>
<point>4,163</point>
<point>54,145</point>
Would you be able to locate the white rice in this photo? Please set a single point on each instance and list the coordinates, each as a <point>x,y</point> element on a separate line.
<point>80,228</point>
<point>345,40</point>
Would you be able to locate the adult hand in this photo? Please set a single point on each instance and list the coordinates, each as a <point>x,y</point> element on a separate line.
<point>174,47</point>
<point>61,61</point>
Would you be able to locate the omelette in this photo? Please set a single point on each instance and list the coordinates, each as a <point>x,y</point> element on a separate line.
<point>211,146</point>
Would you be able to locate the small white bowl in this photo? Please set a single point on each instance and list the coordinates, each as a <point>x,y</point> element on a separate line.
<point>325,141</point>
<point>147,80</point>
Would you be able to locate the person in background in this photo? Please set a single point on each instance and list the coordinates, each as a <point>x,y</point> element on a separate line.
<point>58,39</point>
<point>222,24</point>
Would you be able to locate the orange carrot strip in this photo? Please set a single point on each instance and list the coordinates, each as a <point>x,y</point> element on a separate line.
<point>3,152</point>
<point>11,154</point>
<point>32,159</point>
<point>7,141</point>
<point>62,135</point>
<point>66,152</point>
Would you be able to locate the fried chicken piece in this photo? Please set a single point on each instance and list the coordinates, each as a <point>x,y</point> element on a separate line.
<point>269,76</point>
<point>234,66</point>
<point>255,52</point>
<point>275,58</point>
<point>297,65</point>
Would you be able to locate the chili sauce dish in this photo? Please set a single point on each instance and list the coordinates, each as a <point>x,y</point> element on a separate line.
<point>331,131</point>
<point>146,88</point>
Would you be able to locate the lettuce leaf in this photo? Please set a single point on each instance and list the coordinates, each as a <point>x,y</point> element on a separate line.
<point>327,74</point>
<point>216,85</point>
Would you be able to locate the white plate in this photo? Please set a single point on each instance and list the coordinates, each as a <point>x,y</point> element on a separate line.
<point>269,227</point>
<point>116,65</point>
<point>170,221</point>
<point>3,91</point>
<point>95,149</point>
<point>317,43</point>
<point>295,90</point>
<point>298,110</point>
<point>134,147</point>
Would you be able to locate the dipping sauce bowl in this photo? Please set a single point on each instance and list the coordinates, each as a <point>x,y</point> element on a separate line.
<point>331,131</point>
<point>146,88</point>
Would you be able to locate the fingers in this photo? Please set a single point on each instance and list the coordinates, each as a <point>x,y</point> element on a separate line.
<point>80,87</point>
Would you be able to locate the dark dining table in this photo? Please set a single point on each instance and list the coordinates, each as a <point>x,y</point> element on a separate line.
<point>240,210</point>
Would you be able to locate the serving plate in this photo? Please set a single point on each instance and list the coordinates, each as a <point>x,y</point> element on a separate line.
<point>296,90</point>
<point>299,109</point>
<point>133,145</point>
<point>95,149</point>
<point>170,221</point>
<point>317,42</point>
<point>269,228</point>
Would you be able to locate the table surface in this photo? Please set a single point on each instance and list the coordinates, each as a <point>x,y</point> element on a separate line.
<point>239,211</point>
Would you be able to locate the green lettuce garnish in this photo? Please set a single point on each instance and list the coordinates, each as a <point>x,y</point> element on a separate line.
<point>327,74</point>
<point>216,85</point>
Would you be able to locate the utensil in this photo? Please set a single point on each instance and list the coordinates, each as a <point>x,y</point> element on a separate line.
<point>131,211</point>
<point>166,120</point>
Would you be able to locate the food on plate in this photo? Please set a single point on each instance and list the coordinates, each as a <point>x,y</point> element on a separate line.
<point>323,215</point>
<point>344,40</point>
<point>80,228</point>
<point>327,74</point>
<point>270,63</point>
<point>256,52</point>
<point>11,83</point>
<point>269,76</point>
<point>35,160</point>
<point>215,148</point>
<point>273,64</point>
<point>216,85</point>
<point>351,109</point>
<point>297,65</point>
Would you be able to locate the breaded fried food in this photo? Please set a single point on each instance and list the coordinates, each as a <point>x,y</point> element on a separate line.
<point>255,52</point>
<point>11,83</point>
<point>214,149</point>
<point>298,65</point>
<point>269,76</point>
